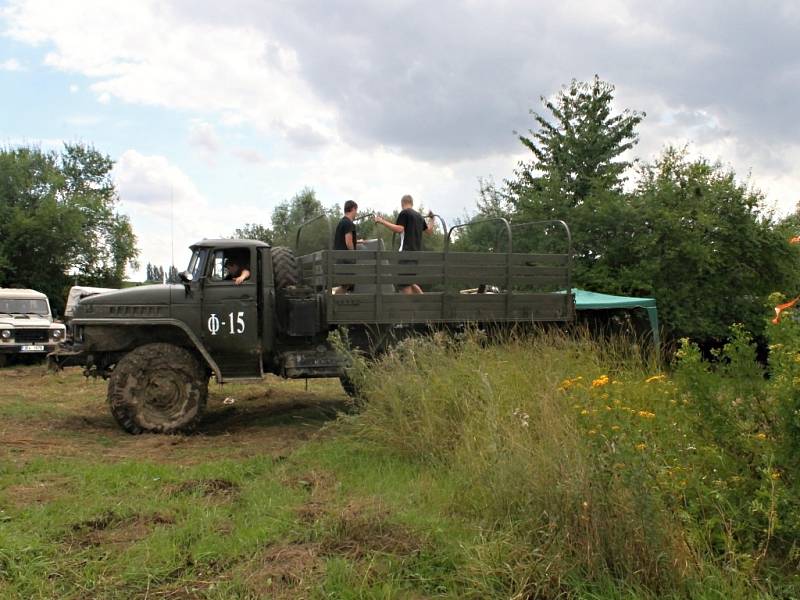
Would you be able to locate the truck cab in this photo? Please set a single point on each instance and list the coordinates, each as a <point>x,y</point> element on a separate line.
<point>26,324</point>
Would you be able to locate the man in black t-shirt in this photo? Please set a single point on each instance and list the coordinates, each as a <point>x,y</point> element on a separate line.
<point>345,239</point>
<point>410,225</point>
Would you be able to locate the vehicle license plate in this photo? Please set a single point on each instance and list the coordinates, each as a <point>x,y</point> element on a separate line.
<point>32,348</point>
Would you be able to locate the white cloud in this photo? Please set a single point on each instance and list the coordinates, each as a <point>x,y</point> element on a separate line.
<point>392,99</point>
<point>10,64</point>
<point>142,52</point>
<point>203,137</point>
<point>74,88</point>
<point>167,211</point>
<point>249,155</point>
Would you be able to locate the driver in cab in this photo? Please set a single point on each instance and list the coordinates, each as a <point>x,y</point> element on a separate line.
<point>236,270</point>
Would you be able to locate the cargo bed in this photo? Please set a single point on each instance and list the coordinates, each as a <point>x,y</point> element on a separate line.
<point>505,287</point>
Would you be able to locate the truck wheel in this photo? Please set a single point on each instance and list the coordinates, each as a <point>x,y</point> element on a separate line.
<point>158,388</point>
<point>284,267</point>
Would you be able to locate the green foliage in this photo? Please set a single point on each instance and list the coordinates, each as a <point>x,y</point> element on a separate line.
<point>784,385</point>
<point>576,175</point>
<point>587,468</point>
<point>58,221</point>
<point>157,274</point>
<point>254,231</point>
<point>709,254</point>
<point>290,214</point>
<point>577,152</point>
<point>689,233</point>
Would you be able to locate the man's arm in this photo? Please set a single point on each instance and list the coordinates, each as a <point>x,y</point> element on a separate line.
<point>388,225</point>
<point>243,276</point>
<point>348,241</point>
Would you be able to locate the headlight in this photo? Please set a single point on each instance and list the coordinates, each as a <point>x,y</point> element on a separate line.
<point>5,334</point>
<point>57,334</point>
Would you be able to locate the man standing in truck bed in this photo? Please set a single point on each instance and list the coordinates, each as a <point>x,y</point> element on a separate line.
<point>410,225</point>
<point>345,239</point>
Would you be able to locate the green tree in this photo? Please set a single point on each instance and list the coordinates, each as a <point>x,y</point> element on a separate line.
<point>58,221</point>
<point>577,149</point>
<point>290,214</point>
<point>689,233</point>
<point>254,231</point>
<point>576,175</point>
<point>304,206</point>
<point>709,252</point>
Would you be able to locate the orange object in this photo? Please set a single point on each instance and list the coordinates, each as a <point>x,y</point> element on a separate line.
<point>782,307</point>
<point>795,240</point>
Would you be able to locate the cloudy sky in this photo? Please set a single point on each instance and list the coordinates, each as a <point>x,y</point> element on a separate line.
<point>217,111</point>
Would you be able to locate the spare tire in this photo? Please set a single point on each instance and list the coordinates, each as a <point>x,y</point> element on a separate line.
<point>285,269</point>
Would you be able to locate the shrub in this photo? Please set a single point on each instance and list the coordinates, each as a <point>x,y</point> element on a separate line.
<point>580,461</point>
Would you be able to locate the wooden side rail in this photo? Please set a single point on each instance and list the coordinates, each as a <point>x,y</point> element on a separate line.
<point>327,269</point>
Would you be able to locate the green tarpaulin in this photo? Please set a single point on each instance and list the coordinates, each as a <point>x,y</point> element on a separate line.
<point>585,300</point>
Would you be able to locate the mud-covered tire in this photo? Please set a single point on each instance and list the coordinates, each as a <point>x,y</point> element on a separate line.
<point>158,388</point>
<point>285,269</point>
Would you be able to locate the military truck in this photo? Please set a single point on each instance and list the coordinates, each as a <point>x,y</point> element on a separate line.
<point>159,345</point>
<point>26,325</point>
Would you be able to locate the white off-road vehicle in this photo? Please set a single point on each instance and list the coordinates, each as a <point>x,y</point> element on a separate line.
<point>26,324</point>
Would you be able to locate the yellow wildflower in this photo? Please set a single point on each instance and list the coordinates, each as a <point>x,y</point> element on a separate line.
<point>584,412</point>
<point>775,475</point>
<point>646,414</point>
<point>655,378</point>
<point>592,432</point>
<point>600,381</point>
<point>568,383</point>
<point>760,436</point>
<point>615,428</point>
<point>641,446</point>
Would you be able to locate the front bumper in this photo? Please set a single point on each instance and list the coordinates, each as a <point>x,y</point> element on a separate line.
<point>66,355</point>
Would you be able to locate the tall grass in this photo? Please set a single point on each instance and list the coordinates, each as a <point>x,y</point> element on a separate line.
<point>580,462</point>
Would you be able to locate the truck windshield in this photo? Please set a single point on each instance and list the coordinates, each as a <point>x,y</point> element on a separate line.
<point>196,263</point>
<point>28,306</point>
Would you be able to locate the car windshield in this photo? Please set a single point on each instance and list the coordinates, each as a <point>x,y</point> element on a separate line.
<point>30,306</point>
<point>196,263</point>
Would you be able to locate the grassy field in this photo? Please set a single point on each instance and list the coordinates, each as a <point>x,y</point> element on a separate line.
<point>539,469</point>
<point>261,502</point>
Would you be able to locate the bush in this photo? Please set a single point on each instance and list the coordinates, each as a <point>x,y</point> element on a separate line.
<point>581,462</point>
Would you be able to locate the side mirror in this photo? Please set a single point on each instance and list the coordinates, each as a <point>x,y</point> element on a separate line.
<point>186,278</point>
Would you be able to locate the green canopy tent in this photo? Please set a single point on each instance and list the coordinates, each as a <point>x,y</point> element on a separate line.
<point>585,300</point>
